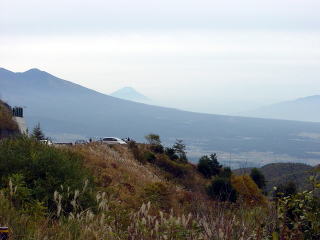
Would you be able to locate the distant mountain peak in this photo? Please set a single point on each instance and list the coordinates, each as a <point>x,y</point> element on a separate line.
<point>309,98</point>
<point>33,70</point>
<point>300,109</point>
<point>129,93</point>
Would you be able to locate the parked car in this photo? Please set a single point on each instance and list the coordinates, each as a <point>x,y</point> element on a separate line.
<point>81,141</point>
<point>112,140</point>
<point>47,142</point>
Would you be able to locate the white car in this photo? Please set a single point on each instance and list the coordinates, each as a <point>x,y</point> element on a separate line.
<point>47,142</point>
<point>112,140</point>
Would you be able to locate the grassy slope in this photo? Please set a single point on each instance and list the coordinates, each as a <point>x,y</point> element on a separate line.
<point>177,209</point>
<point>115,168</point>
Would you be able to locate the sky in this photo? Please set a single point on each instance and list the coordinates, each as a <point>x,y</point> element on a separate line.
<point>209,56</point>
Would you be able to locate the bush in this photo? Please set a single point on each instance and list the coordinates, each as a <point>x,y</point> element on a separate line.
<point>149,157</point>
<point>158,194</point>
<point>248,190</point>
<point>157,148</point>
<point>299,215</point>
<point>153,139</point>
<point>222,190</point>
<point>285,190</point>
<point>258,178</point>
<point>209,166</point>
<point>171,153</point>
<point>136,152</point>
<point>39,170</point>
<point>225,172</point>
<point>175,169</point>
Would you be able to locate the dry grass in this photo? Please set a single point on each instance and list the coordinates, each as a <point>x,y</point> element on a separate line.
<point>136,202</point>
<point>116,162</point>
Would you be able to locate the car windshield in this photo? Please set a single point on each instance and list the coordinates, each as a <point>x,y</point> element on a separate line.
<point>110,139</point>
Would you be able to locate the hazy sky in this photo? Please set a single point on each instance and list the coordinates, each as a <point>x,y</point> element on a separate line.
<point>201,55</point>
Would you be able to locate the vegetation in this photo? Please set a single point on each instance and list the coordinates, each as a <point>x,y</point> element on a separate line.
<point>7,125</point>
<point>248,190</point>
<point>95,191</point>
<point>285,190</point>
<point>37,132</point>
<point>153,139</point>
<point>281,173</point>
<point>155,143</point>
<point>180,150</point>
<point>209,166</point>
<point>299,214</point>
<point>221,189</point>
<point>37,171</point>
<point>258,178</point>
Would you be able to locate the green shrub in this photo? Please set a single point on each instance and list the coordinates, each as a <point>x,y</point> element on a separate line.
<point>149,157</point>
<point>133,146</point>
<point>158,194</point>
<point>157,148</point>
<point>209,166</point>
<point>225,172</point>
<point>222,190</point>
<point>173,168</point>
<point>153,139</point>
<point>285,190</point>
<point>299,214</point>
<point>258,178</point>
<point>171,153</point>
<point>39,170</point>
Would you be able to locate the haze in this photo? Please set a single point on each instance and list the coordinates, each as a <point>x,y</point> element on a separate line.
<point>205,56</point>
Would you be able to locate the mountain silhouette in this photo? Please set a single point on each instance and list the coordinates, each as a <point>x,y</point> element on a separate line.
<point>301,109</point>
<point>131,94</point>
<point>68,111</point>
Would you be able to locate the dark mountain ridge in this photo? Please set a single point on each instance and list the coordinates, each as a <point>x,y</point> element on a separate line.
<point>64,108</point>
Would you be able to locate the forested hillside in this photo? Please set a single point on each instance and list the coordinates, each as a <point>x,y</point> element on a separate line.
<point>282,173</point>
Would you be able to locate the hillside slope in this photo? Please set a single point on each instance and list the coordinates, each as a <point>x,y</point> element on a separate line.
<point>302,109</point>
<point>68,111</point>
<point>98,191</point>
<point>281,173</point>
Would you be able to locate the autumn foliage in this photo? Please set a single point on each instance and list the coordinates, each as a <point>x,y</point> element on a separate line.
<point>247,190</point>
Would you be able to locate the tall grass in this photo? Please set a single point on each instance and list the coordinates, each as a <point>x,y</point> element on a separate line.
<point>134,200</point>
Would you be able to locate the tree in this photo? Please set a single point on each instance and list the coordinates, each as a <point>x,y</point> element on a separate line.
<point>153,139</point>
<point>285,190</point>
<point>155,143</point>
<point>248,190</point>
<point>209,166</point>
<point>171,153</point>
<point>37,133</point>
<point>258,178</point>
<point>180,149</point>
<point>225,172</point>
<point>222,190</point>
